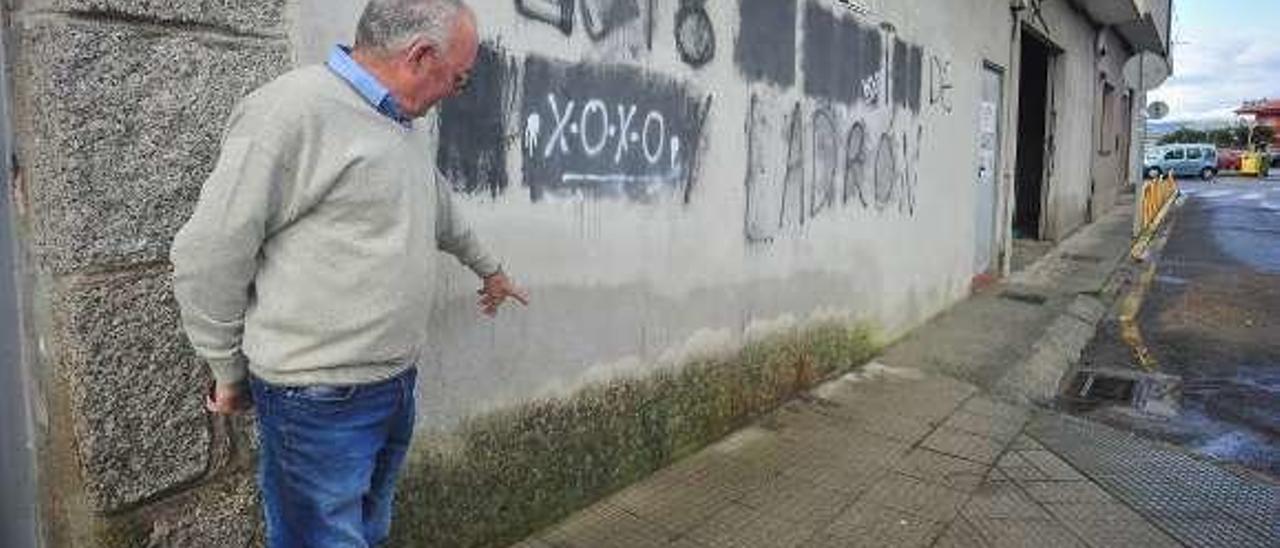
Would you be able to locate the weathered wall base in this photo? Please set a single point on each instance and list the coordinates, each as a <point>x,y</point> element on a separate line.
<point>505,474</point>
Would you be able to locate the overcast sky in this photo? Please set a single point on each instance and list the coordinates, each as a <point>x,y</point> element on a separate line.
<point>1224,52</point>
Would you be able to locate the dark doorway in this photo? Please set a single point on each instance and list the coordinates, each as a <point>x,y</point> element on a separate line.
<point>1033,107</point>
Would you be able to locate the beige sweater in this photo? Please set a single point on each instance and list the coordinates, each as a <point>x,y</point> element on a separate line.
<point>310,257</point>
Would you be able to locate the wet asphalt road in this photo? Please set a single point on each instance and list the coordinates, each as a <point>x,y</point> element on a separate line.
<point>1212,317</point>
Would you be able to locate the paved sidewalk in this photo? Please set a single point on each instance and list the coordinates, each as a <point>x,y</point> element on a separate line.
<point>918,453</point>
<point>884,457</point>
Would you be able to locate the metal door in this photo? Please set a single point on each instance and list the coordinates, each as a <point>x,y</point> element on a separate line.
<point>989,129</point>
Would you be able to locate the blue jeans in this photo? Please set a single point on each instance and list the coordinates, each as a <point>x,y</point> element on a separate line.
<point>329,458</point>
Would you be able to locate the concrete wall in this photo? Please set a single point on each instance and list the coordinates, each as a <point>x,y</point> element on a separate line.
<point>639,280</point>
<point>670,180</point>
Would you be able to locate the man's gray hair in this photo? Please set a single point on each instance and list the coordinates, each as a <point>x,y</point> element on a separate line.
<point>389,25</point>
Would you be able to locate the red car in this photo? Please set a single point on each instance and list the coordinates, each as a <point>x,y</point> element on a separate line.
<point>1229,160</point>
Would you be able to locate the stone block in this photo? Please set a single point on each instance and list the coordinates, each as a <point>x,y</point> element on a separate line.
<point>225,513</point>
<point>237,16</point>
<point>120,125</point>
<point>136,388</point>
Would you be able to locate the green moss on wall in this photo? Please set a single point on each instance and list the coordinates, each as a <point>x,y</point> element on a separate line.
<point>509,473</point>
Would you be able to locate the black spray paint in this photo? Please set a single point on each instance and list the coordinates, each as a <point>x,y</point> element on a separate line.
<point>842,59</point>
<point>557,13</point>
<point>695,37</point>
<point>601,17</point>
<point>766,46</point>
<point>607,130</point>
<point>472,151</point>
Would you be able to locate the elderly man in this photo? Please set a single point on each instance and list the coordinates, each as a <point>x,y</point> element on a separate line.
<point>305,274</point>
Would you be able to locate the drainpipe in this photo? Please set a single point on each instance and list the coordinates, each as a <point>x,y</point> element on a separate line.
<point>1140,184</point>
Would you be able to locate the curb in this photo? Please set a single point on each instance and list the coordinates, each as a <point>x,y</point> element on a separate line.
<point>1040,378</point>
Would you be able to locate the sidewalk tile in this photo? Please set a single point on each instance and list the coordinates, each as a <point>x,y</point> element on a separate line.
<point>1025,443</point>
<point>737,526</point>
<point>797,501</point>
<point>890,425</point>
<point>934,467</point>
<point>1002,500</point>
<point>1053,467</point>
<point>1049,492</point>
<point>867,524</point>
<point>532,543</point>
<point>669,501</point>
<point>607,525</point>
<point>1002,430</point>
<point>964,445</point>
<point>1013,467</point>
<point>1023,533</point>
<point>914,496</point>
<point>981,405</point>
<point>960,534</point>
<point>850,475</point>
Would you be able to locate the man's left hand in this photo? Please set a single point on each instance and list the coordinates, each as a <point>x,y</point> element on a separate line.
<point>497,288</point>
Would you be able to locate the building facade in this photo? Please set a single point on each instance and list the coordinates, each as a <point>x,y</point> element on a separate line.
<point>671,179</point>
<point>1263,111</point>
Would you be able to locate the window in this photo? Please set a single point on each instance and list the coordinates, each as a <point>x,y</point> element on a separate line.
<point>1194,153</point>
<point>1210,153</point>
<point>1175,154</point>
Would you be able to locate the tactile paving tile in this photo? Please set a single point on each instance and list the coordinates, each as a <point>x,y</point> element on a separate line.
<point>1196,502</point>
<point>1110,524</point>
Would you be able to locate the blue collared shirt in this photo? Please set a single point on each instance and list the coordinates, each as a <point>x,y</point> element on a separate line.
<point>341,63</point>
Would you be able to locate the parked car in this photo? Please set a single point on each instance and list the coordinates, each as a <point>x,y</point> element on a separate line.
<point>1229,160</point>
<point>1189,160</point>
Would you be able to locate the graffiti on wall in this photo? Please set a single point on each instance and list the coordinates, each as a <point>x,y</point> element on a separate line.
<point>557,13</point>
<point>766,46</point>
<point>855,144</point>
<point>607,130</point>
<point>473,150</point>
<point>599,17</point>
<point>695,36</point>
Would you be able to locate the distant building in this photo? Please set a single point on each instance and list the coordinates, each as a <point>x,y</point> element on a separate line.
<point>1264,111</point>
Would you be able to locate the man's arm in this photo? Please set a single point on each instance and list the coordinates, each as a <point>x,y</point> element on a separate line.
<point>455,236</point>
<point>214,255</point>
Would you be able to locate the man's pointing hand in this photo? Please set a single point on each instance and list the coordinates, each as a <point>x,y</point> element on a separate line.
<point>497,288</point>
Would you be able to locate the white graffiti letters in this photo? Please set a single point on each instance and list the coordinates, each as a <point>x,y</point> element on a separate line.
<point>562,121</point>
<point>591,130</point>
<point>625,116</point>
<point>650,153</point>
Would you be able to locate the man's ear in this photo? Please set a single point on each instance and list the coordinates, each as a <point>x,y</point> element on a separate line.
<point>421,52</point>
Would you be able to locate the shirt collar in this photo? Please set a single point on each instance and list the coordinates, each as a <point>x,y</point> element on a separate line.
<point>366,84</point>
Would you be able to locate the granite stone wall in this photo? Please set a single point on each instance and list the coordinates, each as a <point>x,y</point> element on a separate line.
<point>119,106</point>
